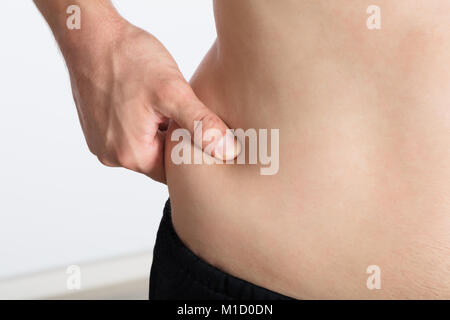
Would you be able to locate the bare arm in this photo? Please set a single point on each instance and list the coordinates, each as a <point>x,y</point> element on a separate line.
<point>126,86</point>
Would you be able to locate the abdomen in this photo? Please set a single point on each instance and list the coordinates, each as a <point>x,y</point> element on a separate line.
<point>364,170</point>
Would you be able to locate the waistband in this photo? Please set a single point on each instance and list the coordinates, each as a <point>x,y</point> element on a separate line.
<point>177,273</point>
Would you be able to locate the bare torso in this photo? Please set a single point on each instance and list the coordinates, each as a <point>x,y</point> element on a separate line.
<point>364,173</point>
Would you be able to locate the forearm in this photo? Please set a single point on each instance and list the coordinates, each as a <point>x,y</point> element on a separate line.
<point>100,24</point>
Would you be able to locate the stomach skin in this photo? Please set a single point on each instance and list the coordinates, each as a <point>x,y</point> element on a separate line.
<point>364,150</point>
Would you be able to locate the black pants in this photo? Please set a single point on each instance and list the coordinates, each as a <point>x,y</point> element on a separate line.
<point>177,273</point>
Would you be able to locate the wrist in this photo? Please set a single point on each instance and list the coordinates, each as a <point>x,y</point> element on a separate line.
<point>97,32</point>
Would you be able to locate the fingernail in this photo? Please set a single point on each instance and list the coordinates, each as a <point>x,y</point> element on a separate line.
<point>228,147</point>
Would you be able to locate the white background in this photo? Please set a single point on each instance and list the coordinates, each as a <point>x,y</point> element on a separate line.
<point>58,205</point>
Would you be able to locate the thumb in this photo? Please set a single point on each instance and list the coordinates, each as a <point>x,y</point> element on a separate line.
<point>207,130</point>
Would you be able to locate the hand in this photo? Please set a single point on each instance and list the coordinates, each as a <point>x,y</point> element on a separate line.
<point>126,88</point>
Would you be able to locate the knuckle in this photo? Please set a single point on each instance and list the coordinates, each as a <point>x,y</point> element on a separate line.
<point>91,148</point>
<point>125,160</point>
<point>128,160</point>
<point>104,160</point>
<point>209,120</point>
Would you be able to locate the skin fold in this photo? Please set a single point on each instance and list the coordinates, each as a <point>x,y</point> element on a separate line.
<point>364,174</point>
